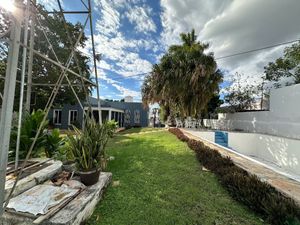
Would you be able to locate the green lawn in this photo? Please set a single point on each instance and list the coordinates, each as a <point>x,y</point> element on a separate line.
<point>160,182</point>
<point>139,130</point>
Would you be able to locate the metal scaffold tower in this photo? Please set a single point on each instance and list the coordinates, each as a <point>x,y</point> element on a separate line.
<point>23,14</point>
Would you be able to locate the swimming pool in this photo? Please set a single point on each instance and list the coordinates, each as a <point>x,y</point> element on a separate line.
<point>277,153</point>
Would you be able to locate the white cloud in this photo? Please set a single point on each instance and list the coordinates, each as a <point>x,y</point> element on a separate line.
<point>109,21</point>
<point>235,26</point>
<point>125,62</point>
<point>127,92</point>
<point>181,16</point>
<point>116,84</point>
<point>140,16</point>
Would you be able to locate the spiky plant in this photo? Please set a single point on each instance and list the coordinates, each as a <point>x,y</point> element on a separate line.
<point>88,144</point>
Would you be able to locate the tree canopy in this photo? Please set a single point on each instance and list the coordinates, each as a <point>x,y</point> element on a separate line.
<point>184,80</point>
<point>240,96</point>
<point>287,66</point>
<point>45,72</point>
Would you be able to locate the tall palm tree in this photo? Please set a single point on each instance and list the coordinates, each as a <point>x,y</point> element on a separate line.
<point>185,79</point>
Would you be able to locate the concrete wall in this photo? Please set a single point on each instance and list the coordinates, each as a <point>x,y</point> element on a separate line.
<point>283,119</point>
<point>271,150</point>
<point>207,135</point>
<point>282,152</point>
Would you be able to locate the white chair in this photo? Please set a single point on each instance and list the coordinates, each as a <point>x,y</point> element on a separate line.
<point>178,122</point>
<point>193,123</point>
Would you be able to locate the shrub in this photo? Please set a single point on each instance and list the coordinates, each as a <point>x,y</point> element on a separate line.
<point>244,187</point>
<point>30,125</point>
<point>179,134</point>
<point>48,142</point>
<point>53,144</point>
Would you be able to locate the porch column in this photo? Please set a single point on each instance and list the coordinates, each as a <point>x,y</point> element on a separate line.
<point>117,118</point>
<point>109,114</point>
<point>122,115</point>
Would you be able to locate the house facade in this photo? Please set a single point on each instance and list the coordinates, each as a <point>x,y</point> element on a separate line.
<point>126,114</point>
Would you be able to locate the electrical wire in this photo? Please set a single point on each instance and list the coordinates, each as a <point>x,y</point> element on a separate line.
<point>221,57</point>
<point>256,50</point>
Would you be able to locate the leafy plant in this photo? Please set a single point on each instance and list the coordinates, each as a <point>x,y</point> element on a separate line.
<point>53,144</point>
<point>88,144</point>
<point>30,125</point>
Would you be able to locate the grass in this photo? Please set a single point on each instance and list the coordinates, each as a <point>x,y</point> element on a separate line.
<point>161,182</point>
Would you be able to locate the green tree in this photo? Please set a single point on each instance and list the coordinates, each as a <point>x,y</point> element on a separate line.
<point>184,80</point>
<point>213,105</point>
<point>287,66</point>
<point>45,72</point>
<point>240,96</point>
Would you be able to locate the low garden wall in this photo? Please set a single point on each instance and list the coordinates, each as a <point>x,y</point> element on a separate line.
<point>248,189</point>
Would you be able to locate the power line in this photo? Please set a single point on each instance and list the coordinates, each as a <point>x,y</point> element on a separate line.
<point>257,49</point>
<point>226,56</point>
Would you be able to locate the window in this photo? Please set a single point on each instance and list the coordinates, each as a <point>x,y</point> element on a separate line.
<point>73,116</point>
<point>57,116</point>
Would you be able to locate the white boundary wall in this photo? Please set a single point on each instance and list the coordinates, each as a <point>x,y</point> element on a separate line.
<point>277,152</point>
<point>283,119</point>
<point>282,152</point>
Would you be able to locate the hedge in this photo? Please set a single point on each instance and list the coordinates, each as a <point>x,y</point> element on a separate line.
<point>244,187</point>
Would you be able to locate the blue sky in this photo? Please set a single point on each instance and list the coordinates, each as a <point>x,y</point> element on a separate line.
<point>133,34</point>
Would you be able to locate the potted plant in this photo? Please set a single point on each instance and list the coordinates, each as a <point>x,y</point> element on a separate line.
<point>87,147</point>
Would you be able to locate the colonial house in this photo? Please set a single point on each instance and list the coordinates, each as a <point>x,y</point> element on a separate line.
<point>127,113</point>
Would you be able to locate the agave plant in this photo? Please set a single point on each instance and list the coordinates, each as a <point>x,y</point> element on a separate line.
<point>88,144</point>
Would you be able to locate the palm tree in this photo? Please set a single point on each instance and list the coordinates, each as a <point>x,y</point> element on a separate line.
<point>185,79</point>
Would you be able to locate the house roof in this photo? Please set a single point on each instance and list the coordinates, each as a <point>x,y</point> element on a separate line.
<point>111,104</point>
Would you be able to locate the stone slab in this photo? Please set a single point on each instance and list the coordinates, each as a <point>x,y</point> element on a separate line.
<point>36,178</point>
<point>74,213</point>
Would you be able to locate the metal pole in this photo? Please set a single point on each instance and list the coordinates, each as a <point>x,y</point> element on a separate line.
<point>30,60</point>
<point>58,64</point>
<point>8,103</point>
<point>22,84</point>
<point>95,62</point>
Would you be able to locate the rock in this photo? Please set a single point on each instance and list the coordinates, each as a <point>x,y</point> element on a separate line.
<point>74,184</point>
<point>116,183</point>
<point>111,158</point>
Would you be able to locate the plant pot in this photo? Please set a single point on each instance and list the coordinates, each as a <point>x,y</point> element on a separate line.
<point>90,177</point>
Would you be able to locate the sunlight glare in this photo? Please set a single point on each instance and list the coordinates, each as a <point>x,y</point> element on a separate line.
<point>7,5</point>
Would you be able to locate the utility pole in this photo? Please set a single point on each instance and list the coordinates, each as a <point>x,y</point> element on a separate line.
<point>95,62</point>
<point>30,61</point>
<point>8,102</point>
